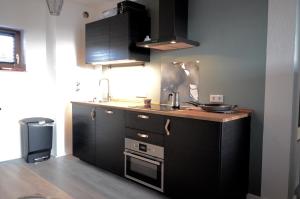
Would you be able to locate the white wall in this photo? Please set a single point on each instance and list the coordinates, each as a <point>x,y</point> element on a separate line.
<point>280,101</point>
<point>53,51</point>
<point>24,94</point>
<point>69,54</point>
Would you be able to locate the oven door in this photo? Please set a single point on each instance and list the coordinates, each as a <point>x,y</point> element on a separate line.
<point>145,170</point>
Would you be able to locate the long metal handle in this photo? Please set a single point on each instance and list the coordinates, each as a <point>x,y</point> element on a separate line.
<point>93,115</point>
<point>167,127</point>
<point>41,158</point>
<point>142,158</point>
<point>143,135</point>
<point>146,117</point>
<point>109,112</point>
<point>41,125</point>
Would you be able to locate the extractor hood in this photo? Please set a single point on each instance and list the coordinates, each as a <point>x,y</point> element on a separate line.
<point>173,25</point>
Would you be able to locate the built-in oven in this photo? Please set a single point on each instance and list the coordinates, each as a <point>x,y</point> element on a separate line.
<point>144,163</point>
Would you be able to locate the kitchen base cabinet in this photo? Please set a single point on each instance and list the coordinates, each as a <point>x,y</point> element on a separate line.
<point>207,159</point>
<point>98,136</point>
<point>84,132</point>
<point>201,159</point>
<point>110,133</point>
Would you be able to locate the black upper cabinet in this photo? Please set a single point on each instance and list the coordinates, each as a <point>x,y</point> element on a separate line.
<point>84,132</point>
<point>119,35</point>
<point>97,41</point>
<point>110,133</point>
<point>115,38</point>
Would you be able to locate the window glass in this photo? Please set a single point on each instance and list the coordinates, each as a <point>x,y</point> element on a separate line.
<point>7,48</point>
<point>11,51</point>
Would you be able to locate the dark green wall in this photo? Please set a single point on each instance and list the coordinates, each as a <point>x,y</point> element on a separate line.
<point>232,54</point>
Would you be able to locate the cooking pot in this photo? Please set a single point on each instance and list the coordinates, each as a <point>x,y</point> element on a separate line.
<point>216,108</point>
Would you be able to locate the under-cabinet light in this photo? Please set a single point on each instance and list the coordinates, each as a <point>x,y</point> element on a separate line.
<point>125,61</point>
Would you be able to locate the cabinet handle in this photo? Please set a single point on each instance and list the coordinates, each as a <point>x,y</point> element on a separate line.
<point>167,127</point>
<point>109,112</point>
<point>146,117</point>
<point>93,114</point>
<point>143,135</point>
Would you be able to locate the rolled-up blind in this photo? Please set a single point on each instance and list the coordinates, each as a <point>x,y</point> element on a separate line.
<point>7,48</point>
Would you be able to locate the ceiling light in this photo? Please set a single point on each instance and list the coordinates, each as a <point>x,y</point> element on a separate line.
<point>197,61</point>
<point>55,6</point>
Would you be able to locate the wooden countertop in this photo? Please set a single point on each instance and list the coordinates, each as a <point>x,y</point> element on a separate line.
<point>187,112</point>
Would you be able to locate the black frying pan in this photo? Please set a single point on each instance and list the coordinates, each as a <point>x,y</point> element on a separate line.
<point>216,108</point>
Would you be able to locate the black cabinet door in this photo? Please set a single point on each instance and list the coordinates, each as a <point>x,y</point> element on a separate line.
<point>192,158</point>
<point>119,38</point>
<point>83,132</point>
<point>114,38</point>
<point>110,132</point>
<point>97,41</point>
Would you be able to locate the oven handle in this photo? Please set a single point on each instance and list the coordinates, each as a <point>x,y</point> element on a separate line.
<point>142,158</point>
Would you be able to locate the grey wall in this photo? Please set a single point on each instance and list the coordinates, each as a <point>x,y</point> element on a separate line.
<point>232,56</point>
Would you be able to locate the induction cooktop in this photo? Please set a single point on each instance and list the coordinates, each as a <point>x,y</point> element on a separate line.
<point>156,107</point>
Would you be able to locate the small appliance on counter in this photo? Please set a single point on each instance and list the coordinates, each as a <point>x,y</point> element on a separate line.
<point>174,99</point>
<point>36,138</point>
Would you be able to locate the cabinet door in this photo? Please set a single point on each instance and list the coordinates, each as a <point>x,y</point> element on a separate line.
<point>192,158</point>
<point>83,132</point>
<point>110,132</point>
<point>119,38</point>
<point>97,41</point>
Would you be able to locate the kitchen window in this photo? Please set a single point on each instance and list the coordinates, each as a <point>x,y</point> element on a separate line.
<point>11,54</point>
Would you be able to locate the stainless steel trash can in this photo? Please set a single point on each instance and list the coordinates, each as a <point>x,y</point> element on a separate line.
<point>36,138</point>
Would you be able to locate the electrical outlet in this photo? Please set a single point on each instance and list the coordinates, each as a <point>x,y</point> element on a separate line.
<point>216,98</point>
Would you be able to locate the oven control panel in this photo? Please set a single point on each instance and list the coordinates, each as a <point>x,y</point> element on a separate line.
<point>146,148</point>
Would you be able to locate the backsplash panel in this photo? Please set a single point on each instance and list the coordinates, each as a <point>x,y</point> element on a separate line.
<point>182,77</point>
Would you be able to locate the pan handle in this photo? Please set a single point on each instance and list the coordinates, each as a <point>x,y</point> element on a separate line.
<point>197,104</point>
<point>234,107</point>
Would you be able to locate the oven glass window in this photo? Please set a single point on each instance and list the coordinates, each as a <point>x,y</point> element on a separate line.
<point>144,171</point>
<point>144,168</point>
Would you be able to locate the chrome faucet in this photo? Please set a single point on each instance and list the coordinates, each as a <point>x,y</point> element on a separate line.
<point>107,99</point>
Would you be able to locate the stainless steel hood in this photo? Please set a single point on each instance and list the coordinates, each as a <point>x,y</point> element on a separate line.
<point>173,25</point>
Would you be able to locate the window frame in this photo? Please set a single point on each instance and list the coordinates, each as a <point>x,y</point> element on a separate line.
<point>18,49</point>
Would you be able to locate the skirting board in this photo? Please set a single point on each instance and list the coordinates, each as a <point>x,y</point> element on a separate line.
<point>251,196</point>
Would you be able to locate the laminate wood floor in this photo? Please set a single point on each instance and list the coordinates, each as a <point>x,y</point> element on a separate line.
<point>66,178</point>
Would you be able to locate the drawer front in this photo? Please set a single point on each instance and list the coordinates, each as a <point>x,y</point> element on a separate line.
<point>143,136</point>
<point>145,121</point>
